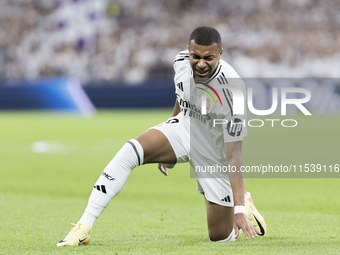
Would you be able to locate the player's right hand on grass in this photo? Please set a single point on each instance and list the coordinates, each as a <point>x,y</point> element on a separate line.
<point>162,169</point>
<point>241,222</point>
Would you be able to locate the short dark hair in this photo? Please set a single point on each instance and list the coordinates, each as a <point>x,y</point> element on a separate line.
<point>206,36</point>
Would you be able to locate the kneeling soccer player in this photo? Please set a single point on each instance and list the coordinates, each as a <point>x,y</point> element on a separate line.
<point>190,136</point>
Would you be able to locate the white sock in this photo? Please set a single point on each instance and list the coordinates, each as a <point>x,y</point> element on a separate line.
<point>230,238</point>
<point>112,180</point>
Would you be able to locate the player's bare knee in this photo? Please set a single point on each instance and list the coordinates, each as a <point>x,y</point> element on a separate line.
<point>222,237</point>
<point>215,237</point>
<point>156,147</point>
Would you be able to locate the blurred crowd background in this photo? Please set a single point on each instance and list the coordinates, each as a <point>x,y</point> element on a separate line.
<point>136,40</point>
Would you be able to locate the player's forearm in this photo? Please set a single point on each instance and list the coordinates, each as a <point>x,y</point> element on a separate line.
<point>234,160</point>
<point>176,109</point>
<point>237,185</point>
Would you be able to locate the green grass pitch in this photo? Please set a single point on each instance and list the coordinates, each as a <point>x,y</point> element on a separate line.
<point>41,193</point>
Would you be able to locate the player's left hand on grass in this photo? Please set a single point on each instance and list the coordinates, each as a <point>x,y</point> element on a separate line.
<point>162,169</point>
<point>241,222</point>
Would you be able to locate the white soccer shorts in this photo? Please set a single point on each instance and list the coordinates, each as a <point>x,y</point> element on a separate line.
<point>215,190</point>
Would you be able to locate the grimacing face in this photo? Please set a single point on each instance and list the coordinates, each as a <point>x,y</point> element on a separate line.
<point>204,59</point>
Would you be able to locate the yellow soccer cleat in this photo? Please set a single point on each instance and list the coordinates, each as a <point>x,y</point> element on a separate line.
<point>80,234</point>
<point>253,215</point>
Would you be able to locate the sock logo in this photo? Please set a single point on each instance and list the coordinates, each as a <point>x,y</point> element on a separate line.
<point>100,188</point>
<point>107,176</point>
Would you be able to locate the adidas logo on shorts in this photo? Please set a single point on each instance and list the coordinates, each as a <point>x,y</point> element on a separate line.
<point>226,199</point>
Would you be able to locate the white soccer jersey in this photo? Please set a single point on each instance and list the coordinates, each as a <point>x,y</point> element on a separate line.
<point>192,133</point>
<point>209,132</point>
